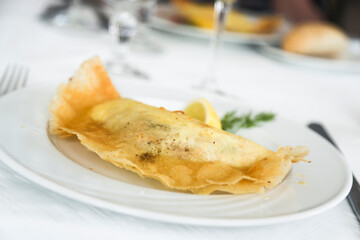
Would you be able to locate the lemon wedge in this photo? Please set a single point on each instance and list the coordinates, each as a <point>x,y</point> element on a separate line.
<point>202,110</point>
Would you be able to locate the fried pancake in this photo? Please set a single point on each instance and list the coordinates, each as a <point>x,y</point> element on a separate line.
<point>181,152</point>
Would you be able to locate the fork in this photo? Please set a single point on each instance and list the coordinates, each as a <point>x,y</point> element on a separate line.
<point>14,77</point>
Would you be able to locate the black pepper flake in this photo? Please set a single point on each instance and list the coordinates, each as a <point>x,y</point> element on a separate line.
<point>147,157</point>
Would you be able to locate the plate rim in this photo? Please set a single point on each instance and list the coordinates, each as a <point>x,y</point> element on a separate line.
<point>336,65</point>
<point>54,186</point>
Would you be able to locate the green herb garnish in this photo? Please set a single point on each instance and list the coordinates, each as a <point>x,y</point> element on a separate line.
<point>232,122</point>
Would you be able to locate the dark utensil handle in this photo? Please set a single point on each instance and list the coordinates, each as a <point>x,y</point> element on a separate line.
<point>354,195</point>
<point>318,128</point>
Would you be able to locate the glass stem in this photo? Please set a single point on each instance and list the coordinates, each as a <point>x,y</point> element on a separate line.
<point>221,12</point>
<point>122,27</point>
<point>121,48</point>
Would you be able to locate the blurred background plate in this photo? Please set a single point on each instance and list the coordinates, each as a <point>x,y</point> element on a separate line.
<point>348,62</point>
<point>168,19</point>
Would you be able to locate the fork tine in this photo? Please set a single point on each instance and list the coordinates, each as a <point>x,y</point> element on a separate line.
<point>12,76</point>
<point>4,76</point>
<point>17,79</point>
<point>25,78</point>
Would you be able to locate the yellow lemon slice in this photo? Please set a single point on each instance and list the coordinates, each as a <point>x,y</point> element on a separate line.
<point>202,110</point>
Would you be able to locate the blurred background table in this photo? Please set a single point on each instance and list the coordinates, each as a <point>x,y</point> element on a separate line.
<point>28,211</point>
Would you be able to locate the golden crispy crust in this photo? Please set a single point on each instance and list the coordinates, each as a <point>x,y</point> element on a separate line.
<point>92,86</point>
<point>181,152</point>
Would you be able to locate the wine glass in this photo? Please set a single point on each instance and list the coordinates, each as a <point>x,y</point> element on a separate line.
<point>143,42</point>
<point>72,15</point>
<point>221,12</point>
<point>122,26</point>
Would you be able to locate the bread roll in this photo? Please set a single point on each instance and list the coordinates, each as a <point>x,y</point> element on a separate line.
<point>316,39</point>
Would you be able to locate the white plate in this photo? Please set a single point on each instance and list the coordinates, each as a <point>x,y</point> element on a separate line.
<point>348,62</point>
<point>64,166</point>
<point>163,22</point>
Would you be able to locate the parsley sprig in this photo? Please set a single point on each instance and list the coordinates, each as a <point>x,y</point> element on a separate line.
<point>232,122</point>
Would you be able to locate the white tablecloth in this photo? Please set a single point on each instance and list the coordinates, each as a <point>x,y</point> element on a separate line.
<point>28,211</point>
